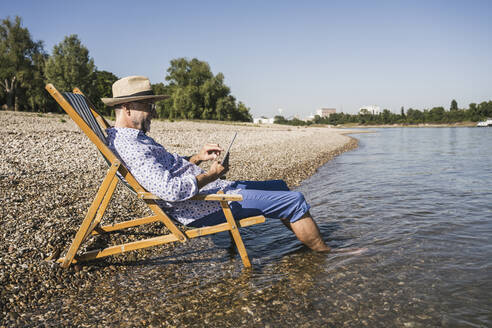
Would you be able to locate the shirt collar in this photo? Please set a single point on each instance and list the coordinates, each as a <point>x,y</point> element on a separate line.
<point>126,132</point>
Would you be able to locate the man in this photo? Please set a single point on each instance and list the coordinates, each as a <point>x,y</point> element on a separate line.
<point>175,179</point>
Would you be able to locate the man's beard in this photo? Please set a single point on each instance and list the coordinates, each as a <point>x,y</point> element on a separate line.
<point>146,126</point>
<point>143,126</point>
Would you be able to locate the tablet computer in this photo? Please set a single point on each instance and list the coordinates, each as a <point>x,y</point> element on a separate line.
<point>225,161</point>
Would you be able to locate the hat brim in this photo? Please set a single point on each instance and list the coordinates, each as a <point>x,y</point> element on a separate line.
<point>117,101</point>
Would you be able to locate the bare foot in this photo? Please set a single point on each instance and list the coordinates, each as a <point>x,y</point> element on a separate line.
<point>320,246</point>
<point>350,251</point>
<point>326,249</point>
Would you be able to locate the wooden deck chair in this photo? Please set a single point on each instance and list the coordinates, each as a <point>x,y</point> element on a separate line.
<point>92,124</point>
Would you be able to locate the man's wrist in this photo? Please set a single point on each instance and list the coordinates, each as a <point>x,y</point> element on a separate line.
<point>205,178</point>
<point>195,160</point>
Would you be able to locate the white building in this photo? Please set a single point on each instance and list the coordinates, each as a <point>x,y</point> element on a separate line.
<point>371,109</point>
<point>262,120</point>
<point>325,112</point>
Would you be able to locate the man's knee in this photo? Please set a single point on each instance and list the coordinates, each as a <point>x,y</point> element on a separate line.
<point>299,205</point>
<point>298,197</point>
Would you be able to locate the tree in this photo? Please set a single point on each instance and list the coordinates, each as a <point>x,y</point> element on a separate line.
<point>454,105</point>
<point>279,119</point>
<point>163,107</point>
<point>386,116</point>
<point>70,66</point>
<point>183,72</point>
<point>225,108</point>
<point>21,62</point>
<point>242,113</point>
<point>484,109</point>
<point>182,102</point>
<point>196,93</point>
<point>436,114</point>
<point>102,88</point>
<point>212,90</point>
<point>415,116</point>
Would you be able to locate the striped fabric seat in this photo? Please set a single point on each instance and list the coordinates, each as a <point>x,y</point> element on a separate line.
<point>79,103</point>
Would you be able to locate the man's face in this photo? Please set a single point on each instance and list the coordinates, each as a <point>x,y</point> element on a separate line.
<point>141,115</point>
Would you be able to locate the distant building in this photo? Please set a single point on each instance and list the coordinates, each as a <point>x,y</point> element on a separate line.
<point>263,120</point>
<point>372,109</point>
<point>325,112</point>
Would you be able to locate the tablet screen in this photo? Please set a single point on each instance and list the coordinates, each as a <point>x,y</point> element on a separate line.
<point>225,161</point>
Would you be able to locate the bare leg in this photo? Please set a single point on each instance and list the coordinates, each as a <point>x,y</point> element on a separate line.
<point>286,223</point>
<point>308,233</point>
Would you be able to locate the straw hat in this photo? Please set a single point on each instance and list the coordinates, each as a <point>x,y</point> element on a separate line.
<point>132,88</point>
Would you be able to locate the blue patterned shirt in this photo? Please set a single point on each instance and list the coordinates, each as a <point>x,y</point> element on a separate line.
<point>168,176</point>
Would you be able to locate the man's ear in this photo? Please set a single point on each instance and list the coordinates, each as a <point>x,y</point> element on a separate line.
<point>126,108</point>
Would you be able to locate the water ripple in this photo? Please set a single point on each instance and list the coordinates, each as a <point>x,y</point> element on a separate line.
<point>421,200</point>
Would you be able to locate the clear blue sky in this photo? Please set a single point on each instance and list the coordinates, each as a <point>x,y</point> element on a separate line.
<point>298,56</point>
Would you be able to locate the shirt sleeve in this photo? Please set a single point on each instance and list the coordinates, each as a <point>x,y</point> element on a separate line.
<point>159,173</point>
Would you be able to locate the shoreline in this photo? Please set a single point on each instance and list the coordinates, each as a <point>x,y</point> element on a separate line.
<point>49,174</point>
<point>319,161</point>
<point>420,125</point>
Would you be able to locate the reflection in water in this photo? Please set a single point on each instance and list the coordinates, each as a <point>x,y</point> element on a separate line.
<point>418,199</point>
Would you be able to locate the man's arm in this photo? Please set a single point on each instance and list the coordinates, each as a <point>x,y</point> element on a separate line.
<point>194,159</point>
<point>216,170</point>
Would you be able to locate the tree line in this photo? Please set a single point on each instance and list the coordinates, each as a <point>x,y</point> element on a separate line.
<point>25,67</point>
<point>437,115</point>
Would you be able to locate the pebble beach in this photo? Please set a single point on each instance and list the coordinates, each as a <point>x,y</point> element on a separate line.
<point>49,174</point>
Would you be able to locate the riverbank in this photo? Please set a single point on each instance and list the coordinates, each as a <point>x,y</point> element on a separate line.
<point>420,125</point>
<point>49,173</point>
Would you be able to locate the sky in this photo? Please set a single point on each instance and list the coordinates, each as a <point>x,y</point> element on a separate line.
<point>297,56</point>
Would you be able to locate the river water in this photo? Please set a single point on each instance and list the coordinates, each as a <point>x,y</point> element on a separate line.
<point>420,200</point>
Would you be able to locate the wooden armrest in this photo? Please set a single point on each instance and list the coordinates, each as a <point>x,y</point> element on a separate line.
<point>216,197</point>
<point>220,197</point>
<point>147,195</point>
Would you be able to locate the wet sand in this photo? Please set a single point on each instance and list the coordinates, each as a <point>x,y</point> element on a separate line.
<point>49,174</point>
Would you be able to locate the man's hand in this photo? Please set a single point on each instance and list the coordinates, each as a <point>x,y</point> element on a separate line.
<point>216,170</point>
<point>209,152</point>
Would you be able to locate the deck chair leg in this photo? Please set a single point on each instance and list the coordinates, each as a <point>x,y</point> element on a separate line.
<point>235,233</point>
<point>232,245</point>
<point>125,224</point>
<point>102,208</point>
<point>81,233</point>
<point>165,220</point>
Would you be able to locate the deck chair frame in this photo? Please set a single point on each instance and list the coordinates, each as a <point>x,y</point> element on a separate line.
<point>91,225</point>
